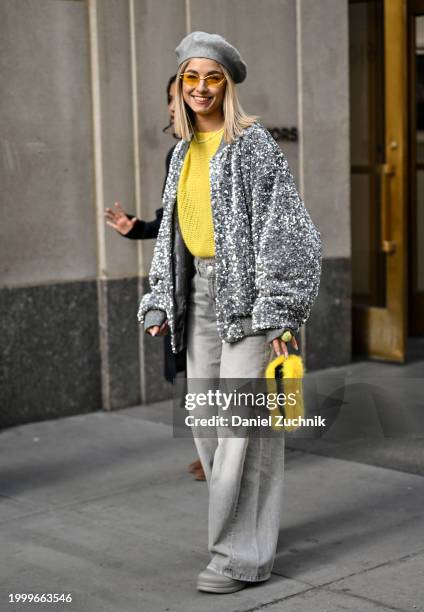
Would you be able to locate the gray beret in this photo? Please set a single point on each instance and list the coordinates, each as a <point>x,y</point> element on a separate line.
<point>212,46</point>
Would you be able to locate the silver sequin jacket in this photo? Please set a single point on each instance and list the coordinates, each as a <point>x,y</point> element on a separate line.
<point>267,249</point>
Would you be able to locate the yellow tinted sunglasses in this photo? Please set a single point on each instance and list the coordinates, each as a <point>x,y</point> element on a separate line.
<point>193,79</point>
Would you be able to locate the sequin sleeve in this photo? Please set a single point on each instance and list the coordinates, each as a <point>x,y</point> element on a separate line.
<point>157,298</point>
<point>159,276</point>
<point>286,242</point>
<point>160,297</point>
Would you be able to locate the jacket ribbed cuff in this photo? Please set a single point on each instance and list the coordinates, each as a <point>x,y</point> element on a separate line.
<point>271,334</point>
<point>246,323</point>
<point>153,317</point>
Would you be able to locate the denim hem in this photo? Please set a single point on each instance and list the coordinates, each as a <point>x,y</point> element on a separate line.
<point>231,573</point>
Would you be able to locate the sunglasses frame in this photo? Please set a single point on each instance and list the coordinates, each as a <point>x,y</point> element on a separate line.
<point>202,77</point>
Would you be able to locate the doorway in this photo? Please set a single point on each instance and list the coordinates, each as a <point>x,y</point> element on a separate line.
<point>416,167</point>
<point>386,49</point>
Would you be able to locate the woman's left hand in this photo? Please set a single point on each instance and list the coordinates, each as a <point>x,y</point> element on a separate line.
<point>159,330</point>
<point>280,347</point>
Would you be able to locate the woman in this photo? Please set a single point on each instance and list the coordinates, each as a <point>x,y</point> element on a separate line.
<point>236,265</point>
<point>133,228</point>
<point>128,225</point>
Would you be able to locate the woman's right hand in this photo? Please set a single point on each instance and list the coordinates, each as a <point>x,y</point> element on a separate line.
<point>280,347</point>
<point>159,330</point>
<point>118,219</point>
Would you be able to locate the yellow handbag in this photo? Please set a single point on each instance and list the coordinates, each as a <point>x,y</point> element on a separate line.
<point>292,370</point>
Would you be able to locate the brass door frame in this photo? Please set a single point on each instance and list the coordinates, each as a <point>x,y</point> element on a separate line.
<point>383,330</point>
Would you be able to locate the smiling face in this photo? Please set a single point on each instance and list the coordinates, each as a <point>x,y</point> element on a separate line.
<point>203,99</point>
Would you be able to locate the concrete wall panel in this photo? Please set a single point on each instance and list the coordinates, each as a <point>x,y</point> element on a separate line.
<point>46,143</point>
<point>265,34</point>
<point>159,27</point>
<point>116,120</point>
<point>324,116</point>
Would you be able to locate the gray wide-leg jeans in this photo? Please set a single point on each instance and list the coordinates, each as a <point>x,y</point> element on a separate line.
<point>244,474</point>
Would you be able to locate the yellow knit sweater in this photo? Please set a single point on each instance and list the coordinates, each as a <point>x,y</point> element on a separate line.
<point>193,196</point>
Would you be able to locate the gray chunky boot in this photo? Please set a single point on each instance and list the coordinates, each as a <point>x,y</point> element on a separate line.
<point>212,582</point>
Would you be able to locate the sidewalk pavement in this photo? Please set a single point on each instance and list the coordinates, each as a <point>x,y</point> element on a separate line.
<point>101,506</point>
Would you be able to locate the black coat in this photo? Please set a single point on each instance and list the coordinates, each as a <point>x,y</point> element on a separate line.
<point>144,230</point>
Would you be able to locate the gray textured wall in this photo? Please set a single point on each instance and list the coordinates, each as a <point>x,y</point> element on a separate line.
<point>324,119</point>
<point>265,34</point>
<point>46,141</point>
<point>112,74</point>
<point>159,26</point>
<point>323,69</point>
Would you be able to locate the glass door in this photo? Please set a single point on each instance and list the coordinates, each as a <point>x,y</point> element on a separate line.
<point>378,96</point>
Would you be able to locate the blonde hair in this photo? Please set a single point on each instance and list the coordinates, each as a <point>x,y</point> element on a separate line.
<point>235,118</point>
